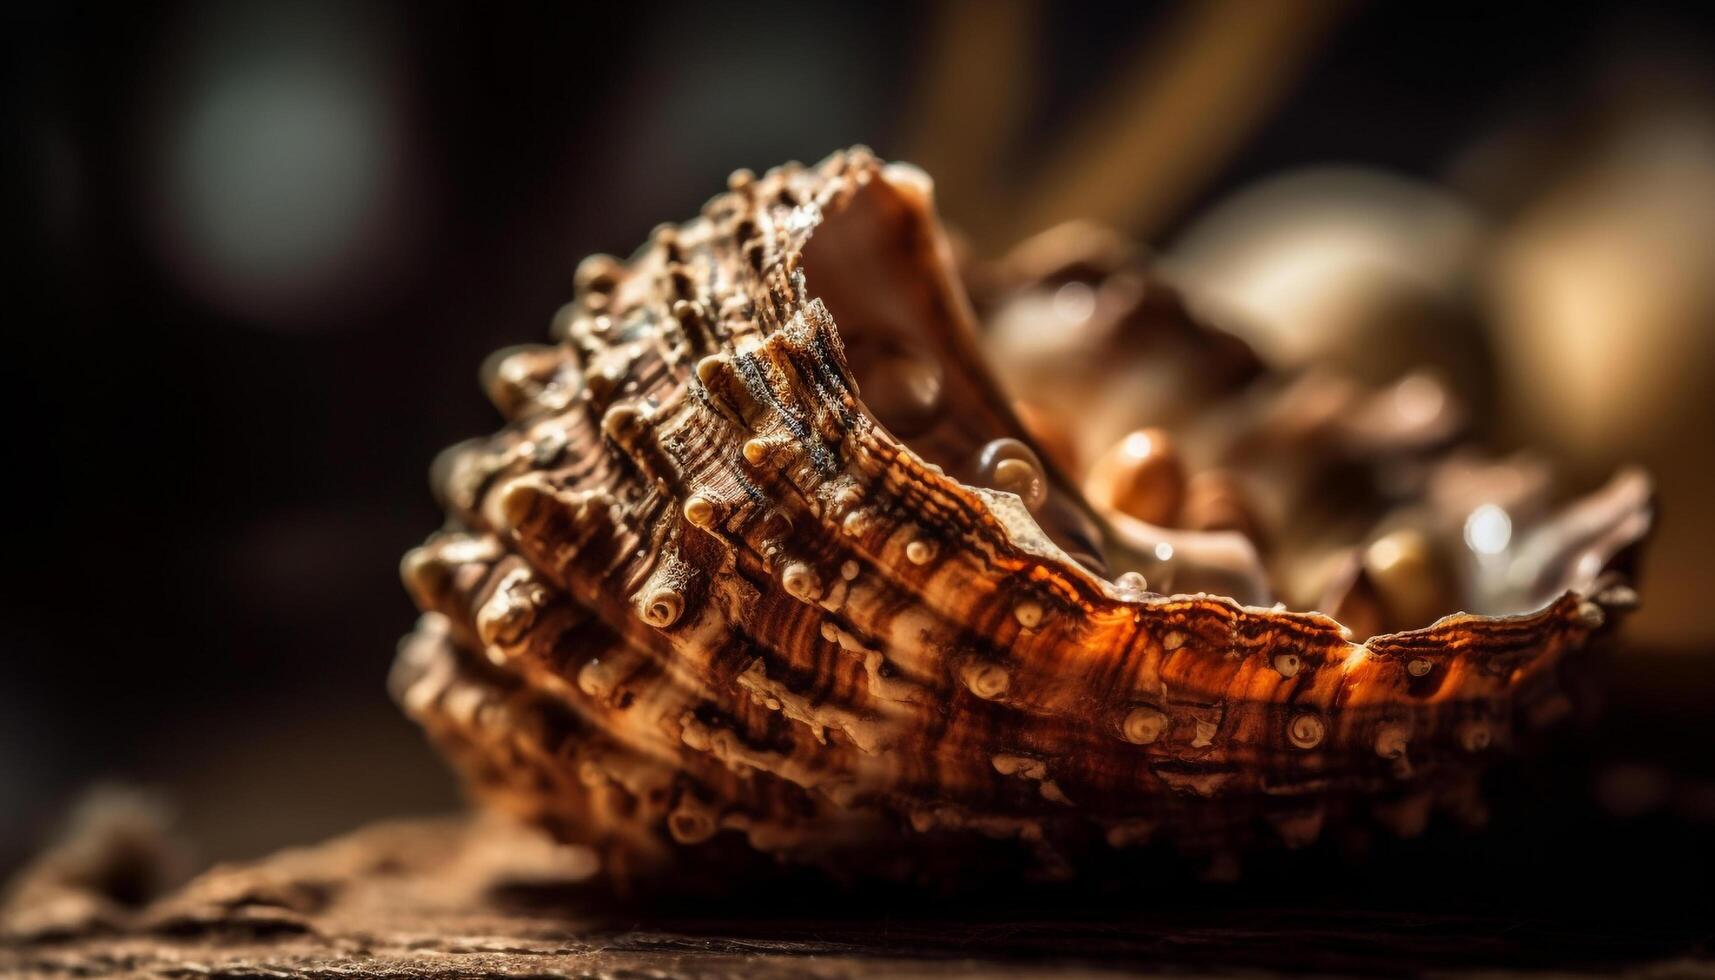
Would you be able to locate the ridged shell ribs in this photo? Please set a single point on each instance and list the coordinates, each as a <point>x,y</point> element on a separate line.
<point>697,593</point>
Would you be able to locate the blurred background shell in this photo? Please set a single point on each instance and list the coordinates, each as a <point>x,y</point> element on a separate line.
<point>1315,266</point>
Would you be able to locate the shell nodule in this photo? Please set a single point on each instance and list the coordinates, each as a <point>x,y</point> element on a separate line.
<point>1306,731</point>
<point>661,609</point>
<point>1144,725</point>
<point>986,681</point>
<point>700,594</point>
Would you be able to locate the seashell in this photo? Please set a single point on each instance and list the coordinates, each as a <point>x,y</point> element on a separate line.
<point>700,599</point>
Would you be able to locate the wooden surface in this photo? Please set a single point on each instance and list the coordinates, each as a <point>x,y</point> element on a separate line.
<point>1600,858</point>
<point>456,898</point>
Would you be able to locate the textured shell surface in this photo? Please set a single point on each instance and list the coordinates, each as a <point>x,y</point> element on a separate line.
<point>768,561</point>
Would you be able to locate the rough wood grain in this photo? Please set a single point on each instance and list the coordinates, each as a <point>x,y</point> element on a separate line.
<point>472,897</point>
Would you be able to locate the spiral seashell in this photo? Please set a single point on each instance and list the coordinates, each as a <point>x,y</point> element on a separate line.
<point>700,599</point>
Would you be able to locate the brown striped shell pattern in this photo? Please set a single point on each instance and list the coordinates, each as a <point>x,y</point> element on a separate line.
<point>808,539</point>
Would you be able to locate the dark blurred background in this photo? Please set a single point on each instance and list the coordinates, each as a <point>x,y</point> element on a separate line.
<point>260,249</point>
